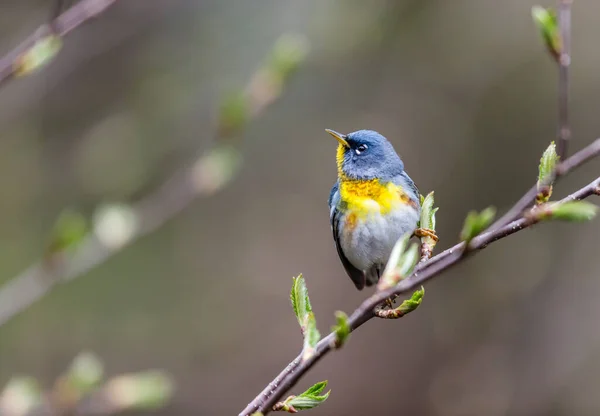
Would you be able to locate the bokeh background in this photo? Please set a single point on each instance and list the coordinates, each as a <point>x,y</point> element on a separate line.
<point>467,94</point>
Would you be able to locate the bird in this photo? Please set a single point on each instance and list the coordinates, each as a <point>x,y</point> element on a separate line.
<point>372,204</point>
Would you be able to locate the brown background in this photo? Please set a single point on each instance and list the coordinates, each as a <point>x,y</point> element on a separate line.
<point>464,90</point>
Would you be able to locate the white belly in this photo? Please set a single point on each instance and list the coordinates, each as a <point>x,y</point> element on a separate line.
<point>373,237</point>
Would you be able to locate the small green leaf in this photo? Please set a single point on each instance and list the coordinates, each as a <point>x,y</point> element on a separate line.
<point>295,297</point>
<point>426,226</point>
<point>547,23</point>
<point>299,298</point>
<point>432,218</point>
<point>547,164</point>
<point>310,399</point>
<point>305,316</point>
<point>574,211</point>
<point>413,303</point>
<point>546,169</point>
<point>140,391</point>
<point>85,372</point>
<point>21,395</point>
<point>39,55</point>
<point>287,54</point>
<point>428,212</point>
<point>408,260</point>
<point>311,336</point>
<point>316,388</point>
<point>233,114</point>
<point>476,222</point>
<point>468,228</point>
<point>70,229</point>
<point>486,217</point>
<point>341,329</point>
<point>307,402</point>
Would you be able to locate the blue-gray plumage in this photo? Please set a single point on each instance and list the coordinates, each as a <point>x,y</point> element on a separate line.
<point>372,204</point>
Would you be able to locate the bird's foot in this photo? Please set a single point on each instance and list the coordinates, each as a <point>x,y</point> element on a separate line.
<point>389,302</point>
<point>390,312</point>
<point>426,232</point>
<point>429,240</point>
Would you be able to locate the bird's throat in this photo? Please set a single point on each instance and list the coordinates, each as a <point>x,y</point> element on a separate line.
<point>353,189</point>
<point>365,196</point>
<point>339,159</point>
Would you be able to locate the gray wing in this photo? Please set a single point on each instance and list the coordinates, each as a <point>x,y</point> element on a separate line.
<point>409,187</point>
<point>357,276</point>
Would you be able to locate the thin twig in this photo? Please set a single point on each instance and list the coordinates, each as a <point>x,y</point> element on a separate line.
<point>568,165</point>
<point>206,175</point>
<point>72,18</point>
<point>422,273</point>
<point>564,61</point>
<point>35,282</point>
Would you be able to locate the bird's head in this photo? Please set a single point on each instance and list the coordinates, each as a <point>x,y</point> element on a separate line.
<point>366,154</point>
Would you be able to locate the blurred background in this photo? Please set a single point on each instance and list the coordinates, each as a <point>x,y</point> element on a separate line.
<point>465,91</point>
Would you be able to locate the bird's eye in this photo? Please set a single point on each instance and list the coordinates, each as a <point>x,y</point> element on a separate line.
<point>360,149</point>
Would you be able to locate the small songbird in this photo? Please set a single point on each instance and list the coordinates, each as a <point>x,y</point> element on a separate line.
<point>372,204</point>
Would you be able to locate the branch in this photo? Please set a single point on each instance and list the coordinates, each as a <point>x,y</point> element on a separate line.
<point>561,169</point>
<point>205,176</point>
<point>83,390</point>
<point>564,61</point>
<point>72,18</point>
<point>422,273</point>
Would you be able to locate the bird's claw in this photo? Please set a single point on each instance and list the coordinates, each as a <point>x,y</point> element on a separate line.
<point>426,232</point>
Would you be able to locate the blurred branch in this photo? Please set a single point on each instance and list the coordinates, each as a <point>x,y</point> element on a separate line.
<point>72,252</point>
<point>422,273</point>
<point>564,61</point>
<point>72,18</point>
<point>82,391</point>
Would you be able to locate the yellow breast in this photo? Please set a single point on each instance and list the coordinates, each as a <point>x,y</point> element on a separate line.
<point>369,196</point>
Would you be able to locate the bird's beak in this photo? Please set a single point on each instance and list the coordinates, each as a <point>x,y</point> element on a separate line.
<point>339,137</point>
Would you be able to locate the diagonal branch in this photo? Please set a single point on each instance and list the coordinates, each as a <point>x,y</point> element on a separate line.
<point>527,200</point>
<point>204,176</point>
<point>561,169</point>
<point>153,211</point>
<point>72,18</point>
<point>423,272</point>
